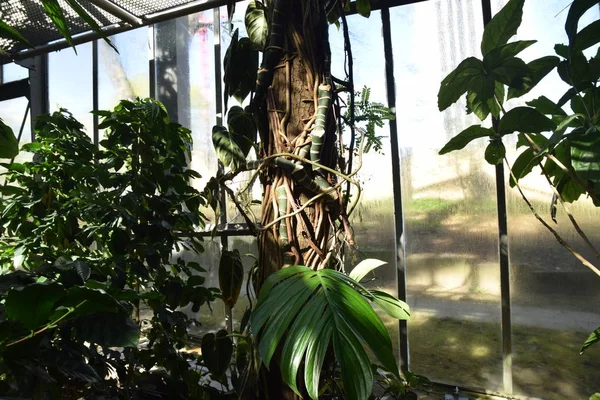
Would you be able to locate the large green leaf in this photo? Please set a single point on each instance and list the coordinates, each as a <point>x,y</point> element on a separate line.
<point>503,26</point>
<point>34,304</point>
<point>465,137</point>
<point>315,353</point>
<point>457,82</point>
<point>525,119</point>
<point>364,267</point>
<point>593,338</point>
<point>240,67</point>
<point>8,32</point>
<point>247,63</point>
<point>231,276</point>
<point>364,7</point>
<point>546,106</point>
<point>588,36</point>
<point>511,72</point>
<point>84,15</point>
<point>500,54</point>
<point>226,146</point>
<point>576,11</point>
<point>585,157</point>
<point>256,24</point>
<point>319,309</point>
<point>55,12</point>
<point>522,166</point>
<point>88,301</point>
<point>108,329</point>
<point>299,339</point>
<point>241,123</point>
<point>9,146</point>
<point>537,70</point>
<point>481,98</point>
<point>389,304</point>
<point>217,351</point>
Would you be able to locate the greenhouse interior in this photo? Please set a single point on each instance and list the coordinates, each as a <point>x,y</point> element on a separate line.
<point>300,199</point>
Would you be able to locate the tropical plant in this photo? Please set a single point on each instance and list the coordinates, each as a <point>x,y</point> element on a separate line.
<point>310,314</point>
<point>569,155</point>
<point>91,253</point>
<point>294,126</point>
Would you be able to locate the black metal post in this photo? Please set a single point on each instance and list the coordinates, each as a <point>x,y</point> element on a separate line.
<point>396,184</point>
<point>38,81</point>
<point>219,121</point>
<point>151,62</point>
<point>95,91</point>
<point>503,254</point>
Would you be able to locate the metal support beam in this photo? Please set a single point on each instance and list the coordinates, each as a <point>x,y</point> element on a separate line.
<point>396,184</point>
<point>38,81</point>
<point>152,62</point>
<point>506,323</point>
<point>117,11</point>
<point>95,93</point>
<point>14,89</point>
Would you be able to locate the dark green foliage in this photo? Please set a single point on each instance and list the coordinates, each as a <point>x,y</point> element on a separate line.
<point>570,155</point>
<point>88,242</point>
<point>369,115</point>
<point>322,311</point>
<point>231,276</point>
<point>217,350</point>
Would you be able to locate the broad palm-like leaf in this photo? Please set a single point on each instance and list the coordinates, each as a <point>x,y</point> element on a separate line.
<point>319,309</point>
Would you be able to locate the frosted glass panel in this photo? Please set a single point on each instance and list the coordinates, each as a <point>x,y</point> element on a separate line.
<point>555,299</point>
<point>70,83</point>
<point>215,317</point>
<point>123,75</point>
<point>202,101</point>
<point>373,219</point>
<point>451,229</point>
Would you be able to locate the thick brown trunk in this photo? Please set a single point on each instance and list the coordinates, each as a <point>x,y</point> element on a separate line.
<point>290,104</point>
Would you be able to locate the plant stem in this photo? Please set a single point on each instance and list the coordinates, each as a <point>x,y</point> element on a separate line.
<point>563,168</point>
<point>350,76</point>
<point>569,214</point>
<point>560,240</point>
<point>50,325</point>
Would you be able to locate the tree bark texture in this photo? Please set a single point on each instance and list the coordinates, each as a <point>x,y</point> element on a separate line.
<point>289,108</point>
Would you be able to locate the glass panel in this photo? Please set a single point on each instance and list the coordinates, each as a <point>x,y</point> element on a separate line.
<point>123,75</point>
<point>554,297</point>
<point>191,41</point>
<point>250,201</point>
<point>12,113</point>
<point>70,83</point>
<point>453,278</point>
<point>373,219</point>
<point>13,72</point>
<point>215,317</point>
<point>202,96</point>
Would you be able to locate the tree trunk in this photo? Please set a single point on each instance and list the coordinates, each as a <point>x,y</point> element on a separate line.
<point>299,51</point>
<point>289,107</point>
